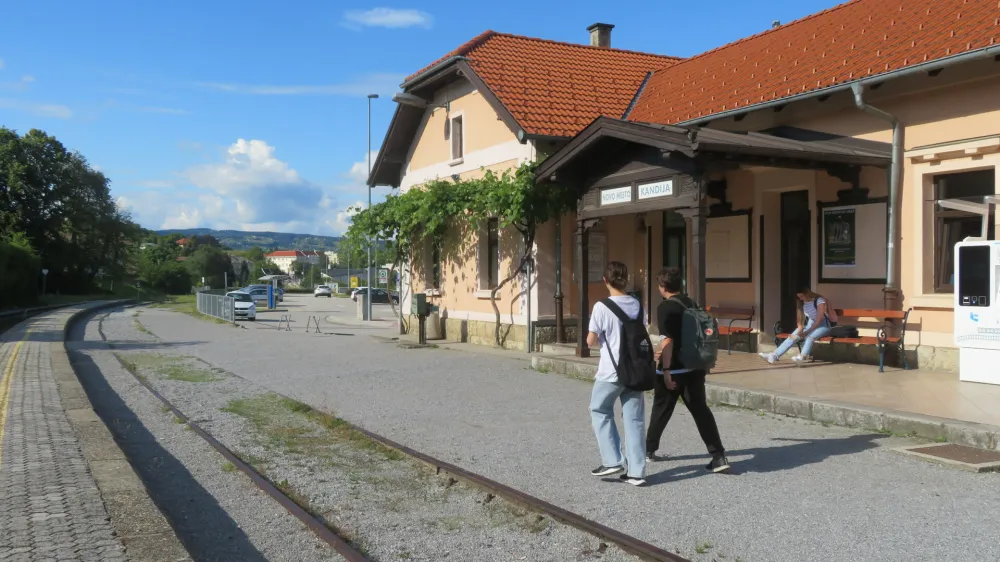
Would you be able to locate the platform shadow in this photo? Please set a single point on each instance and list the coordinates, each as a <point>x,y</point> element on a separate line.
<point>203,526</point>
<point>802,452</point>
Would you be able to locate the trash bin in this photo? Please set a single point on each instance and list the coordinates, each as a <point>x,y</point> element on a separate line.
<point>362,306</point>
<point>434,324</point>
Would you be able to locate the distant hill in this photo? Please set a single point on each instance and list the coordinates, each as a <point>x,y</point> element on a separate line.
<point>239,240</point>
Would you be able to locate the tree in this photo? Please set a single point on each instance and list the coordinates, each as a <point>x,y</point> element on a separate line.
<point>211,263</point>
<point>64,208</point>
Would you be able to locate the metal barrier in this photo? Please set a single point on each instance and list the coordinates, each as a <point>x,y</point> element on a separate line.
<point>218,306</point>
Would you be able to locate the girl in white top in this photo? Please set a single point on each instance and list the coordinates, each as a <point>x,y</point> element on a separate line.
<point>813,323</point>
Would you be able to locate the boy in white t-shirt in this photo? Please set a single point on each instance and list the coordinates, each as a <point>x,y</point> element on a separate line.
<point>605,332</point>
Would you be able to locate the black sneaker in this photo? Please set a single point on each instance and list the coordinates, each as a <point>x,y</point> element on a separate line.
<point>607,470</point>
<point>633,480</point>
<point>653,457</point>
<point>719,464</point>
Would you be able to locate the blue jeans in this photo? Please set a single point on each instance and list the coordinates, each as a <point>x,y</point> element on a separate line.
<point>602,414</point>
<point>821,331</point>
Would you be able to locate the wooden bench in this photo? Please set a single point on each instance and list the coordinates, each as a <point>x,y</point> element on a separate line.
<point>734,315</point>
<point>882,339</point>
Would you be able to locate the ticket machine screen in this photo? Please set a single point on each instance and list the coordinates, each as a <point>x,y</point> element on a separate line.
<point>974,276</point>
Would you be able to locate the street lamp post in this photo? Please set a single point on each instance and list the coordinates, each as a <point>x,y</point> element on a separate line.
<point>368,300</point>
<point>45,276</point>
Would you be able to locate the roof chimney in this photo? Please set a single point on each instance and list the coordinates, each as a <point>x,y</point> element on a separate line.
<point>600,35</point>
<point>775,24</point>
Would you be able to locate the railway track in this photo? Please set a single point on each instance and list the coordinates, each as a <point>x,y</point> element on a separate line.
<point>325,532</point>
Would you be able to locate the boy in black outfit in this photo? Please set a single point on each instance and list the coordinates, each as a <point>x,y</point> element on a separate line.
<point>678,381</point>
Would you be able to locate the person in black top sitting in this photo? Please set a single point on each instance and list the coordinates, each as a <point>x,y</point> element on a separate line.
<point>678,381</point>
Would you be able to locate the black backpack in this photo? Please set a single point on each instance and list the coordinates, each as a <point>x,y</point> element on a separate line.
<point>699,337</point>
<point>636,370</point>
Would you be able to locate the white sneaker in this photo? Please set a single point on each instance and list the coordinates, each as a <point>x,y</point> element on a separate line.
<point>799,360</point>
<point>769,357</point>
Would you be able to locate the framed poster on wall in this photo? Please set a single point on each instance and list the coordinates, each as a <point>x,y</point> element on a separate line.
<point>852,242</point>
<point>839,237</point>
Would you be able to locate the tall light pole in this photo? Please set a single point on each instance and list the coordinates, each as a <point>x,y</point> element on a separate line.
<point>368,300</point>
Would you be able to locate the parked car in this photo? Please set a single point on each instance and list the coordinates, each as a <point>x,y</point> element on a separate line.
<point>323,291</point>
<point>279,293</point>
<point>245,306</point>
<point>378,295</point>
<point>258,295</point>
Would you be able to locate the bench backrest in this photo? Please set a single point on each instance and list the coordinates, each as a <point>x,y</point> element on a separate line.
<point>871,313</point>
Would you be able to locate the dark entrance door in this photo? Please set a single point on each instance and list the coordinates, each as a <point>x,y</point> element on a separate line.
<point>796,252</point>
<point>675,243</point>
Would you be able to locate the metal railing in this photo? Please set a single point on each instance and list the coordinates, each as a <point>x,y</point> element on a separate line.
<point>218,306</point>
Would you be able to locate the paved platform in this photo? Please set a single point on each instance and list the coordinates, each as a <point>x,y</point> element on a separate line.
<point>930,404</point>
<point>58,464</point>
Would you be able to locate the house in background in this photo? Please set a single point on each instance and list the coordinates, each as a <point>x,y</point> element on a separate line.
<point>286,259</point>
<point>741,165</point>
<point>495,103</point>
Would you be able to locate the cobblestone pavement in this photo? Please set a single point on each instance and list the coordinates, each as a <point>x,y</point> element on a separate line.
<point>51,507</point>
<point>801,491</point>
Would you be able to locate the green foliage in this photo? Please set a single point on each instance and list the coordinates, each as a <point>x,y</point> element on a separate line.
<point>21,273</point>
<point>429,211</point>
<point>171,277</point>
<point>53,202</point>
<point>211,263</point>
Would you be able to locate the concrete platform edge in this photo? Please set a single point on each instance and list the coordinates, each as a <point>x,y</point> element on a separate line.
<point>139,524</point>
<point>823,411</point>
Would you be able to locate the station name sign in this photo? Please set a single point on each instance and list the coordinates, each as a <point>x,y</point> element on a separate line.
<point>663,188</point>
<point>616,195</point>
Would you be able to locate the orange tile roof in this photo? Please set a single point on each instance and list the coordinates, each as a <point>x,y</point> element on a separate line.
<point>855,40</point>
<point>554,88</point>
<point>283,254</point>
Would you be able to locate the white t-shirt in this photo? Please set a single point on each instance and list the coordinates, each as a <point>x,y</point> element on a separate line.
<point>606,325</point>
<point>811,308</point>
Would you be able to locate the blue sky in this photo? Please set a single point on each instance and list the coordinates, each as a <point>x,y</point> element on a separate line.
<point>252,115</point>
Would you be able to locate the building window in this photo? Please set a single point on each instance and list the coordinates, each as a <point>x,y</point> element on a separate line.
<point>951,227</point>
<point>457,138</point>
<point>492,253</point>
<point>436,263</point>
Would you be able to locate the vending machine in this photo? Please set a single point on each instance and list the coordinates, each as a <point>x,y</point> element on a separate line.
<point>977,310</point>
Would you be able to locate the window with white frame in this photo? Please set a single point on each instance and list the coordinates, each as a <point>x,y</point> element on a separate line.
<point>457,134</point>
<point>951,226</point>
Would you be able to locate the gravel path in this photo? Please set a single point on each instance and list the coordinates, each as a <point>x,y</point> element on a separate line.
<point>801,491</point>
<point>391,507</point>
<point>218,514</point>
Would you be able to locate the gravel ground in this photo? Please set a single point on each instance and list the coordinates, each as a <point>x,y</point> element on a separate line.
<point>801,491</point>
<point>391,507</point>
<point>218,514</point>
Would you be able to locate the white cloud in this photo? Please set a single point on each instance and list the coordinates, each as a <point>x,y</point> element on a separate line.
<point>359,170</point>
<point>249,188</point>
<point>378,83</point>
<point>388,17</point>
<point>19,85</point>
<point>35,108</point>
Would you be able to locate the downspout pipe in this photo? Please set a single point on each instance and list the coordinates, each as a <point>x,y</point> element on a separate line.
<point>895,193</point>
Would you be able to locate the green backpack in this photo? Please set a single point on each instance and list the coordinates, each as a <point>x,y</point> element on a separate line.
<point>699,336</point>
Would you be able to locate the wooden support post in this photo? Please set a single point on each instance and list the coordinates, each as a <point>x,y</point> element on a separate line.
<point>583,310</point>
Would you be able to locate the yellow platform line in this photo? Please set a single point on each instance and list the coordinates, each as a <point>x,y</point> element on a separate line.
<point>8,376</point>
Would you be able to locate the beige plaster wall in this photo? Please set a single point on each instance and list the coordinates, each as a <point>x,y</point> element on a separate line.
<point>481,126</point>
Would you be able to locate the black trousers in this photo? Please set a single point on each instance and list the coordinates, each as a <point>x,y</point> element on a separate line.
<point>691,387</point>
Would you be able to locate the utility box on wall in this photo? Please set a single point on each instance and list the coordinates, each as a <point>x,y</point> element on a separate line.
<point>977,310</point>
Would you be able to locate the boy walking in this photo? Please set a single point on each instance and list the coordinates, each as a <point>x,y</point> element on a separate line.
<point>678,381</point>
<point>606,332</point>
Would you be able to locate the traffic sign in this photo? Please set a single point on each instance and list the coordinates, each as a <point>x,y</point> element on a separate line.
<point>383,277</point>
<point>354,282</point>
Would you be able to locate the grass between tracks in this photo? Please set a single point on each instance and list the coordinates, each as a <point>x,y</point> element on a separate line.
<point>170,367</point>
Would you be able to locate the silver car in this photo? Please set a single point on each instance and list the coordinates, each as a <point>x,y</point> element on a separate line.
<point>323,291</point>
